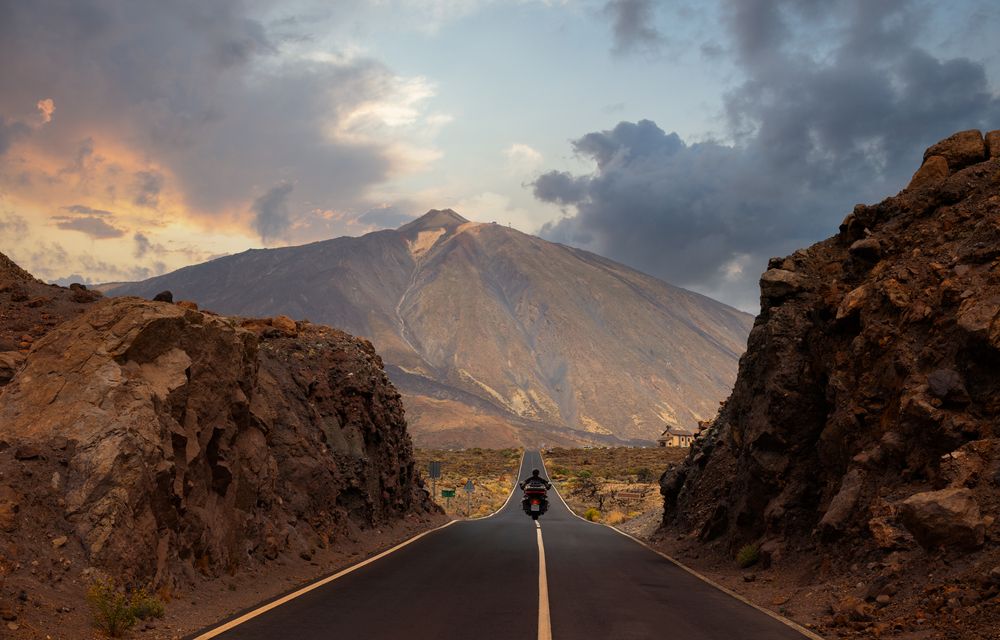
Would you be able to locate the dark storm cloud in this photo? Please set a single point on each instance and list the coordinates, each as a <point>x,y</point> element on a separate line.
<point>94,227</point>
<point>632,26</point>
<point>271,214</point>
<point>197,87</point>
<point>148,185</point>
<point>816,132</point>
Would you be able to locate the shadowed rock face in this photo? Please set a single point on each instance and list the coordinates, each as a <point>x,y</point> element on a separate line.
<point>870,386</point>
<point>186,440</point>
<point>493,336</point>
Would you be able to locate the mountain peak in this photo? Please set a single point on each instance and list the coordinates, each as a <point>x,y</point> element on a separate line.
<point>434,219</point>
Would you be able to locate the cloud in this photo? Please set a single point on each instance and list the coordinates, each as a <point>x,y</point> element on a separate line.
<point>94,227</point>
<point>814,132</point>
<point>10,130</point>
<point>147,187</point>
<point>208,98</point>
<point>387,217</point>
<point>632,26</point>
<point>87,211</point>
<point>271,215</point>
<point>142,244</point>
<point>522,158</point>
<point>46,108</point>
<point>13,225</point>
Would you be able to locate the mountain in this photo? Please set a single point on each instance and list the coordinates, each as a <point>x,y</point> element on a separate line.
<point>861,436</point>
<point>495,337</point>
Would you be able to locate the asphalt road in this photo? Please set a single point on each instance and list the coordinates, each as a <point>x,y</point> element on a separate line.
<point>480,579</point>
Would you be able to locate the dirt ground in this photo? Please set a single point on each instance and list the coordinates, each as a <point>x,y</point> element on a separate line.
<point>492,473</point>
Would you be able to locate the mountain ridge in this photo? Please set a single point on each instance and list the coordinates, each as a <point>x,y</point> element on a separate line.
<point>537,330</point>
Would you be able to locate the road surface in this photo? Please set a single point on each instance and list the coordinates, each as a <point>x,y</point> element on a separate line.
<point>482,579</point>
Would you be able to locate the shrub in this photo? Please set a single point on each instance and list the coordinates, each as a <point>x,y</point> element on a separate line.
<point>748,556</point>
<point>146,606</point>
<point>115,611</point>
<point>592,514</point>
<point>644,475</point>
<point>615,517</point>
<point>112,610</point>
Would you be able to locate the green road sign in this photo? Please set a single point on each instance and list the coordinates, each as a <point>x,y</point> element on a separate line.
<point>447,493</point>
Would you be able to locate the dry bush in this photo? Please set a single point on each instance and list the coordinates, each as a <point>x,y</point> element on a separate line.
<point>592,514</point>
<point>615,517</point>
<point>115,610</point>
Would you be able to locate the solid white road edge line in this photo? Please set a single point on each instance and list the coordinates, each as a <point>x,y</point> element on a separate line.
<point>544,622</point>
<point>315,585</point>
<point>783,620</point>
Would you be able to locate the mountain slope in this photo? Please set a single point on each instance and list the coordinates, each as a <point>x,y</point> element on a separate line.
<point>494,336</point>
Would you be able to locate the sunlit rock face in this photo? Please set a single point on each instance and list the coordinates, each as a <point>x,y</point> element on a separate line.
<point>180,441</point>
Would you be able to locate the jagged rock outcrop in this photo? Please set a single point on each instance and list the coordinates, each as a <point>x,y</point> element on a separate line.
<point>162,441</point>
<point>867,405</point>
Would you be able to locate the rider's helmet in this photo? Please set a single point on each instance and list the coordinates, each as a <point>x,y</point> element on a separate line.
<point>534,472</point>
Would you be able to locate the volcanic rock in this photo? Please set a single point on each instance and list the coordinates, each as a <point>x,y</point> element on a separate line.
<point>866,384</point>
<point>776,284</point>
<point>993,144</point>
<point>932,173</point>
<point>946,518</point>
<point>188,444</point>
<point>164,296</point>
<point>960,149</point>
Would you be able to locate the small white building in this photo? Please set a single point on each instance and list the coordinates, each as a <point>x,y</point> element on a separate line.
<point>675,437</point>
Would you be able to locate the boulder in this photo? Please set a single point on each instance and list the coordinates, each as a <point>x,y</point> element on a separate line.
<point>993,144</point>
<point>776,284</point>
<point>867,249</point>
<point>946,518</point>
<point>187,304</point>
<point>932,172</point>
<point>164,296</point>
<point>960,149</point>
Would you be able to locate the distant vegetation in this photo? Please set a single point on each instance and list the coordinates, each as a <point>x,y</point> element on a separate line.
<point>492,471</point>
<point>612,484</point>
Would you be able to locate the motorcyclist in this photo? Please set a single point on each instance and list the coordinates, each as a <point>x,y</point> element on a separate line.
<point>535,480</point>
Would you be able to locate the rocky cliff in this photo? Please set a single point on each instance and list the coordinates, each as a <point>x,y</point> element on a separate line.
<point>495,337</point>
<point>865,413</point>
<point>156,442</point>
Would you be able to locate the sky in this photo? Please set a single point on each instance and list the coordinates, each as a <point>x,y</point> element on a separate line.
<point>690,140</point>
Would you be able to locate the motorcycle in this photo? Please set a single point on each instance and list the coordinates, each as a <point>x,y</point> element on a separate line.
<point>535,501</point>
